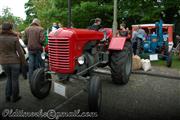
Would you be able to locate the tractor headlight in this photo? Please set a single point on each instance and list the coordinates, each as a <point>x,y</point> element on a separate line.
<point>43,55</point>
<point>81,60</point>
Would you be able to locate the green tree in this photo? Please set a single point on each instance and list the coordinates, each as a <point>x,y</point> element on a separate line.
<point>7,16</point>
<point>131,11</point>
<point>145,11</point>
<point>30,11</point>
<point>49,11</point>
<point>85,12</point>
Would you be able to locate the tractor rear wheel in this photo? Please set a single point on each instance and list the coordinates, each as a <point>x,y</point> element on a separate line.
<point>40,86</point>
<point>169,59</point>
<point>121,64</point>
<point>94,94</point>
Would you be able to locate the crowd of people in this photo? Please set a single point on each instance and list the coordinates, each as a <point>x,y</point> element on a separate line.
<point>56,26</point>
<point>12,56</point>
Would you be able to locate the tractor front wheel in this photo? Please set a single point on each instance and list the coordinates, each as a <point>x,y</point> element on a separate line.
<point>39,84</point>
<point>121,64</point>
<point>94,94</point>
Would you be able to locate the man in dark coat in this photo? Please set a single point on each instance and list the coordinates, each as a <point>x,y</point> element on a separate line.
<point>34,38</point>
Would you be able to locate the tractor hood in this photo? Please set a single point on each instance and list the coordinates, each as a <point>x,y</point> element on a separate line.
<point>78,34</point>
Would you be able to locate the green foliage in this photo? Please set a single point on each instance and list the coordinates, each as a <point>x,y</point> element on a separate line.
<point>146,11</point>
<point>30,11</point>
<point>7,16</point>
<point>91,10</point>
<point>49,11</point>
<point>83,11</point>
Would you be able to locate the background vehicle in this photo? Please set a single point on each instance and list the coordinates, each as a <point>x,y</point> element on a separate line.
<point>76,53</point>
<point>158,42</point>
<point>176,50</point>
<point>25,53</point>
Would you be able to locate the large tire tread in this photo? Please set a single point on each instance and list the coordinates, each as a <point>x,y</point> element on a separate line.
<point>35,82</point>
<point>118,64</point>
<point>95,94</point>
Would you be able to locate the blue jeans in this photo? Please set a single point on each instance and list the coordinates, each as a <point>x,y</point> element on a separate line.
<point>12,85</point>
<point>35,61</point>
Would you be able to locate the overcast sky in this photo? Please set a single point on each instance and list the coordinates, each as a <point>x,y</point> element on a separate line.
<point>17,7</point>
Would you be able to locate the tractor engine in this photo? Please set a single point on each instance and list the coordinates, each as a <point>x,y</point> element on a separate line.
<point>72,50</point>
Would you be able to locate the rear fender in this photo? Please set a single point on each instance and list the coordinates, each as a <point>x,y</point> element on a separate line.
<point>117,43</point>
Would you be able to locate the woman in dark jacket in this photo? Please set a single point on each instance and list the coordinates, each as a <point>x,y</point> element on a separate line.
<point>11,58</point>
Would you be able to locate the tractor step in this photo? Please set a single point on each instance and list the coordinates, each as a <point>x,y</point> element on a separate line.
<point>105,70</point>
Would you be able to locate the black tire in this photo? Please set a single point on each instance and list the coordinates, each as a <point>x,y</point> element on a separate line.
<point>169,59</point>
<point>95,94</point>
<point>40,86</point>
<point>121,64</point>
<point>138,50</point>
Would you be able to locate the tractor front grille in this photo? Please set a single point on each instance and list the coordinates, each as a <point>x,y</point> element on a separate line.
<point>59,55</point>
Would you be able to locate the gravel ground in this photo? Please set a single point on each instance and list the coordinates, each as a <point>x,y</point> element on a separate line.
<point>143,98</point>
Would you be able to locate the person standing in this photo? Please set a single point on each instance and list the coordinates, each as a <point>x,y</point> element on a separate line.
<point>123,30</point>
<point>138,36</point>
<point>54,26</point>
<point>178,44</point>
<point>11,59</point>
<point>97,24</point>
<point>34,38</point>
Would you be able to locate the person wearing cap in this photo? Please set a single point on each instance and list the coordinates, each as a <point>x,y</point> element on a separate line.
<point>11,59</point>
<point>34,38</point>
<point>97,24</point>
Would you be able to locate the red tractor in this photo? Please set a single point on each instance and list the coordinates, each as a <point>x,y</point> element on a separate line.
<point>76,53</point>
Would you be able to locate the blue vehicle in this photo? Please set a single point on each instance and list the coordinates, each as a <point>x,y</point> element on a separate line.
<point>157,43</point>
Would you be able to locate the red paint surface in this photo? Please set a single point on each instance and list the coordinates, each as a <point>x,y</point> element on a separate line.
<point>66,45</point>
<point>117,43</point>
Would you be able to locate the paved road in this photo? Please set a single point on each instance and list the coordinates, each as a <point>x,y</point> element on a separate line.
<point>143,98</point>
